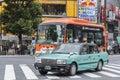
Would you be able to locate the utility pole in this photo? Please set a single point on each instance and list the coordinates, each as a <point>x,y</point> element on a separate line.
<point>0,27</point>
<point>98,11</point>
<point>105,13</point>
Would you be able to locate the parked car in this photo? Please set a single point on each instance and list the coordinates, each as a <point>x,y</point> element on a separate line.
<point>71,58</point>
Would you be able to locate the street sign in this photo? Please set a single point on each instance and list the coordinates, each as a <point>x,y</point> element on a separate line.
<point>88,13</point>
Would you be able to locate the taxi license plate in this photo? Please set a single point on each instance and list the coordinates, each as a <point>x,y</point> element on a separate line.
<point>47,67</point>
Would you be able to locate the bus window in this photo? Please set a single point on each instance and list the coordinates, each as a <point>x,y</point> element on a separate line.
<point>90,37</point>
<point>69,33</point>
<point>50,34</point>
<point>99,39</point>
<point>85,35</point>
<point>78,33</point>
<point>93,35</point>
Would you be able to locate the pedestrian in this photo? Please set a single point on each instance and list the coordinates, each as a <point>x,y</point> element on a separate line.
<point>18,49</point>
<point>115,47</point>
<point>22,49</point>
<point>7,48</point>
<point>13,48</point>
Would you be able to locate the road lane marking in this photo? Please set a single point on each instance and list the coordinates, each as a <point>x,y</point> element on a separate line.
<point>108,74</point>
<point>109,69</point>
<point>75,77</point>
<point>9,72</point>
<point>28,72</point>
<point>52,77</point>
<point>91,75</point>
<point>115,67</point>
<point>114,64</point>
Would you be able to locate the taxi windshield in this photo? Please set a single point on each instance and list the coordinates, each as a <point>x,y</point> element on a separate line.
<point>68,48</point>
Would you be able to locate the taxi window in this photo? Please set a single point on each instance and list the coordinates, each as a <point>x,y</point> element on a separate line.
<point>85,50</point>
<point>93,49</point>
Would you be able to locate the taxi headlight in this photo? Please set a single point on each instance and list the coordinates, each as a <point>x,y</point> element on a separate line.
<point>61,61</point>
<point>37,54</point>
<point>38,60</point>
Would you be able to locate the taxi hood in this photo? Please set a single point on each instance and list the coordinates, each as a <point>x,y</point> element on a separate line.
<point>55,56</point>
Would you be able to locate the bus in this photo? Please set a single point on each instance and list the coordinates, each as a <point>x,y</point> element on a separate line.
<point>52,33</point>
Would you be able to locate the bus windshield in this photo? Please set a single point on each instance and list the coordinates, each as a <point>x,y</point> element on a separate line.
<point>52,34</point>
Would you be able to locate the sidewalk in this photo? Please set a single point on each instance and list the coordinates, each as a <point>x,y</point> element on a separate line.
<point>15,55</point>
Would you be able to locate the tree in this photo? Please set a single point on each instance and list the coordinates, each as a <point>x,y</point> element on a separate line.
<point>21,17</point>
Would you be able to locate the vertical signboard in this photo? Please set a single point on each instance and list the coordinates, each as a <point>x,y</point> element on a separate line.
<point>87,9</point>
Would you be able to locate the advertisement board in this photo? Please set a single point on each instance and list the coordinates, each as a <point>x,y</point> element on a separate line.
<point>87,9</point>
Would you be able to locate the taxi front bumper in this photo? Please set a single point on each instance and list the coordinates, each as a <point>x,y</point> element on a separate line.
<point>54,68</point>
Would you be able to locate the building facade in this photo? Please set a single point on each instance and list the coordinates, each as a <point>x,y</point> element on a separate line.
<point>112,18</point>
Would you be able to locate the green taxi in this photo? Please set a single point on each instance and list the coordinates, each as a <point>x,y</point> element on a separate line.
<point>71,58</point>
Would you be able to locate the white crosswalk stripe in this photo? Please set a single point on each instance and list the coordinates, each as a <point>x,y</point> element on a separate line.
<point>109,74</point>
<point>109,69</point>
<point>9,72</point>
<point>92,75</point>
<point>115,67</point>
<point>74,77</point>
<point>28,72</point>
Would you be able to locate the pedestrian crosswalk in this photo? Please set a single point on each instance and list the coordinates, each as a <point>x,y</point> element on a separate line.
<point>29,73</point>
<point>9,73</point>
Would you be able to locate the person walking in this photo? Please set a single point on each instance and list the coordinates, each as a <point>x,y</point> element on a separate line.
<point>7,48</point>
<point>13,49</point>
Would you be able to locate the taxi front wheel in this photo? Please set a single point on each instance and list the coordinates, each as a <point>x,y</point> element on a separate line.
<point>99,66</point>
<point>73,69</point>
<point>43,72</point>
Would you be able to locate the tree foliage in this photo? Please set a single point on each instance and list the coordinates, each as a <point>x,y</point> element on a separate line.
<point>21,16</point>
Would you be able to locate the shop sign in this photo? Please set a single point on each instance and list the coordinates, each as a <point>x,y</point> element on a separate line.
<point>87,9</point>
<point>89,14</point>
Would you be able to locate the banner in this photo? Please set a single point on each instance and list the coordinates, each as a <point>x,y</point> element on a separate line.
<point>87,9</point>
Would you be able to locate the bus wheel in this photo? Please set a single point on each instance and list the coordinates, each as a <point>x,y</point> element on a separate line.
<point>73,69</point>
<point>43,72</point>
<point>99,66</point>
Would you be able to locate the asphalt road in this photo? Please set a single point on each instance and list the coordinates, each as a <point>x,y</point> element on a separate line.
<point>21,68</point>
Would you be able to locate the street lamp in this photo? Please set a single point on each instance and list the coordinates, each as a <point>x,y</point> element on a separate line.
<point>0,27</point>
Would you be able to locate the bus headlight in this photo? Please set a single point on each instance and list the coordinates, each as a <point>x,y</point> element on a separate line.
<point>61,61</point>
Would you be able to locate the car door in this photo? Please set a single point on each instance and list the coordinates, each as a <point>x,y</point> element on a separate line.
<point>84,59</point>
<point>94,56</point>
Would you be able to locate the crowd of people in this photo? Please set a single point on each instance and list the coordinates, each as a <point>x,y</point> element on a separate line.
<point>20,49</point>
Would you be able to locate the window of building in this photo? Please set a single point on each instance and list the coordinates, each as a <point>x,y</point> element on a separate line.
<point>54,9</point>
